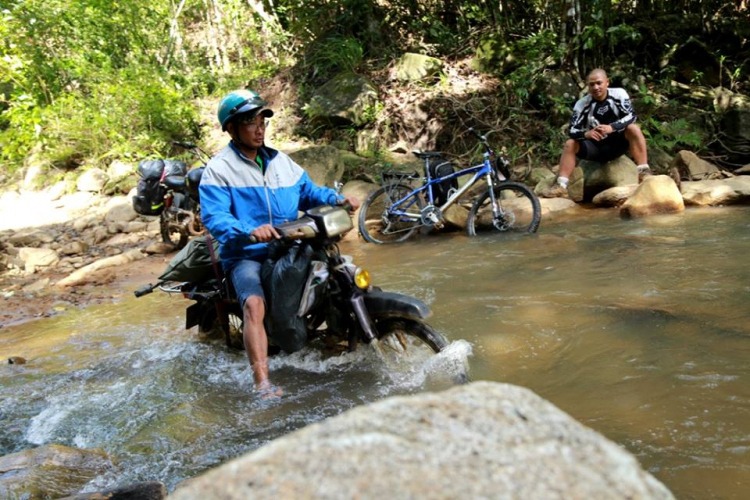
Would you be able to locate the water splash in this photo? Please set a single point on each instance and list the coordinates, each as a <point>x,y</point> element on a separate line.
<point>451,366</point>
<point>314,360</point>
<point>44,425</point>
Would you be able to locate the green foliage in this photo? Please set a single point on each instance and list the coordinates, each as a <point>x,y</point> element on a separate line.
<point>538,51</point>
<point>371,113</point>
<point>87,81</point>
<point>672,134</point>
<point>336,54</point>
<point>126,115</point>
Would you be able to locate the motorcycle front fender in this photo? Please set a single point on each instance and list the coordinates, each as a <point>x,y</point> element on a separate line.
<point>382,305</point>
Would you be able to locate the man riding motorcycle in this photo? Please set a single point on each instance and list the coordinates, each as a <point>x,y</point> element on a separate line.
<point>246,189</point>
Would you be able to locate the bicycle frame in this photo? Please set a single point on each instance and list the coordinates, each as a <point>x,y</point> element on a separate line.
<point>479,171</point>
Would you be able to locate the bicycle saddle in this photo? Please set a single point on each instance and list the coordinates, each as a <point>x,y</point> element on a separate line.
<point>426,154</point>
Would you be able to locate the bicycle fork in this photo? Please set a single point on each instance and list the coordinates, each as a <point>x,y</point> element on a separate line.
<point>495,205</point>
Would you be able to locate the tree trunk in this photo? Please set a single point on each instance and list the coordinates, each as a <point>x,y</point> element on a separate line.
<point>175,39</point>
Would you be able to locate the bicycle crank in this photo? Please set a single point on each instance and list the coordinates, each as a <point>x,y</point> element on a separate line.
<point>431,216</point>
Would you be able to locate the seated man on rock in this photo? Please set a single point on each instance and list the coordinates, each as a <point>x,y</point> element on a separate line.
<point>602,128</point>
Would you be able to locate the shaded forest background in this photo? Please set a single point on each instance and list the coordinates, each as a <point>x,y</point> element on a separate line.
<point>86,82</point>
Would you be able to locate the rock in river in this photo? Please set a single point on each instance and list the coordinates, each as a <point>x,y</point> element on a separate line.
<point>483,440</point>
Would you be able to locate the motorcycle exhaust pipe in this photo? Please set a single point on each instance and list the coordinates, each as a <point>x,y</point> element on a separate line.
<point>191,225</point>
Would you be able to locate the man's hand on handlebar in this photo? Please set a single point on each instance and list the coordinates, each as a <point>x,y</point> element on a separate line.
<point>352,202</point>
<point>264,234</point>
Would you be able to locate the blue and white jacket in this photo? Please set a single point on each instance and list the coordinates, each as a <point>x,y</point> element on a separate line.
<point>236,197</point>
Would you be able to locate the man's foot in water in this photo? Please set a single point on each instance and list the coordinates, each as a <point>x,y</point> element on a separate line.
<point>268,391</point>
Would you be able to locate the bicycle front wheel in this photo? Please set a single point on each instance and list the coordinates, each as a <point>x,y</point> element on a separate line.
<point>382,222</point>
<point>518,211</point>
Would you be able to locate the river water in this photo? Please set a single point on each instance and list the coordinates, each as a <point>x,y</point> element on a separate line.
<point>639,329</point>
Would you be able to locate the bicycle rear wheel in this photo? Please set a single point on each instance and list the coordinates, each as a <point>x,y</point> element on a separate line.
<point>518,211</point>
<point>377,223</point>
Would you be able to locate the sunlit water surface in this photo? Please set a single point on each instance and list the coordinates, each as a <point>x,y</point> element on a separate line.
<point>637,328</point>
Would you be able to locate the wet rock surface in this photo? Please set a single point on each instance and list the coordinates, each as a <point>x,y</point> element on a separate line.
<point>50,471</point>
<point>483,440</point>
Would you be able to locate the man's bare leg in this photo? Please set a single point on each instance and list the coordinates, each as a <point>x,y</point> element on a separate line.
<point>567,165</point>
<point>568,158</point>
<point>637,144</point>
<point>256,344</point>
<point>638,149</point>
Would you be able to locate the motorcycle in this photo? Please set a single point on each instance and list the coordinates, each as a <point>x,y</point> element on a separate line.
<point>339,304</point>
<point>169,190</point>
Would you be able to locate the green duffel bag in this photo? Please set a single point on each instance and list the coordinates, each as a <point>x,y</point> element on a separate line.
<point>193,262</point>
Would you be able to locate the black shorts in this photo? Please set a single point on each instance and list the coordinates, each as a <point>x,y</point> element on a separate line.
<point>615,145</point>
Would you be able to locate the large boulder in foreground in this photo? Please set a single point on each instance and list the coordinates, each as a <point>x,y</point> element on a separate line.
<point>657,194</point>
<point>50,471</point>
<point>483,440</point>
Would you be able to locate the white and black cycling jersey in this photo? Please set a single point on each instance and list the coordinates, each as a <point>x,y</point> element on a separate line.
<point>615,110</point>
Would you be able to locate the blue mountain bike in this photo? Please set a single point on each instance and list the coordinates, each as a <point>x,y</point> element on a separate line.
<point>393,212</point>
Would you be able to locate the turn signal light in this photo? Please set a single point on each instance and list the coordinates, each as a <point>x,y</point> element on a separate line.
<point>362,278</point>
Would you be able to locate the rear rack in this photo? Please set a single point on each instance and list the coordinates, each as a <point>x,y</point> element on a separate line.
<point>391,176</point>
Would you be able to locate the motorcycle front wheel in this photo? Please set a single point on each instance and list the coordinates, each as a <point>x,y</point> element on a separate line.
<point>409,338</point>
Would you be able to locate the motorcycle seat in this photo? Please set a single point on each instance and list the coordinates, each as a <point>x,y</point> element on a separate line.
<point>193,181</point>
<point>175,182</point>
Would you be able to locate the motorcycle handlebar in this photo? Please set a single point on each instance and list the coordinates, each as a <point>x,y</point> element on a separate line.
<point>344,204</point>
<point>145,290</point>
<point>347,206</point>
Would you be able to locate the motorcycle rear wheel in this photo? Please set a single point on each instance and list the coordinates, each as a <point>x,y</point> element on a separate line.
<point>171,233</point>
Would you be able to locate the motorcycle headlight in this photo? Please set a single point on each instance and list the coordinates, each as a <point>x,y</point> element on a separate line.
<point>362,278</point>
<point>333,221</point>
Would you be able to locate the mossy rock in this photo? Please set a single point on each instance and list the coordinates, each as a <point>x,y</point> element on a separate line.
<point>416,67</point>
<point>346,99</point>
<point>494,56</point>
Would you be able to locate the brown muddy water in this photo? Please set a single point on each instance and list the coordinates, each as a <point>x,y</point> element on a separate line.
<point>639,329</point>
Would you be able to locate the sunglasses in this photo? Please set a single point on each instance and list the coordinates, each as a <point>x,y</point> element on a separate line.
<point>252,122</point>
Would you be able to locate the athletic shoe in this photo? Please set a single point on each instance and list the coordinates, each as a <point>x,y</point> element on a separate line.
<point>642,174</point>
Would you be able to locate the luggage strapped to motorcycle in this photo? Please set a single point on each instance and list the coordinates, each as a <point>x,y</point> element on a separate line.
<point>221,312</point>
<point>214,261</point>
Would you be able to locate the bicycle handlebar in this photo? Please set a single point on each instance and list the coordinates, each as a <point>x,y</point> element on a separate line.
<point>195,150</point>
<point>482,139</point>
<point>478,135</point>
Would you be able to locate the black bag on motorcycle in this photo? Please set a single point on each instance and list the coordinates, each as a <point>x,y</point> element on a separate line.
<point>149,198</point>
<point>192,263</point>
<point>440,167</point>
<point>283,276</point>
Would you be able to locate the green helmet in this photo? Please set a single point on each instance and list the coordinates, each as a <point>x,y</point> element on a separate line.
<point>239,102</point>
